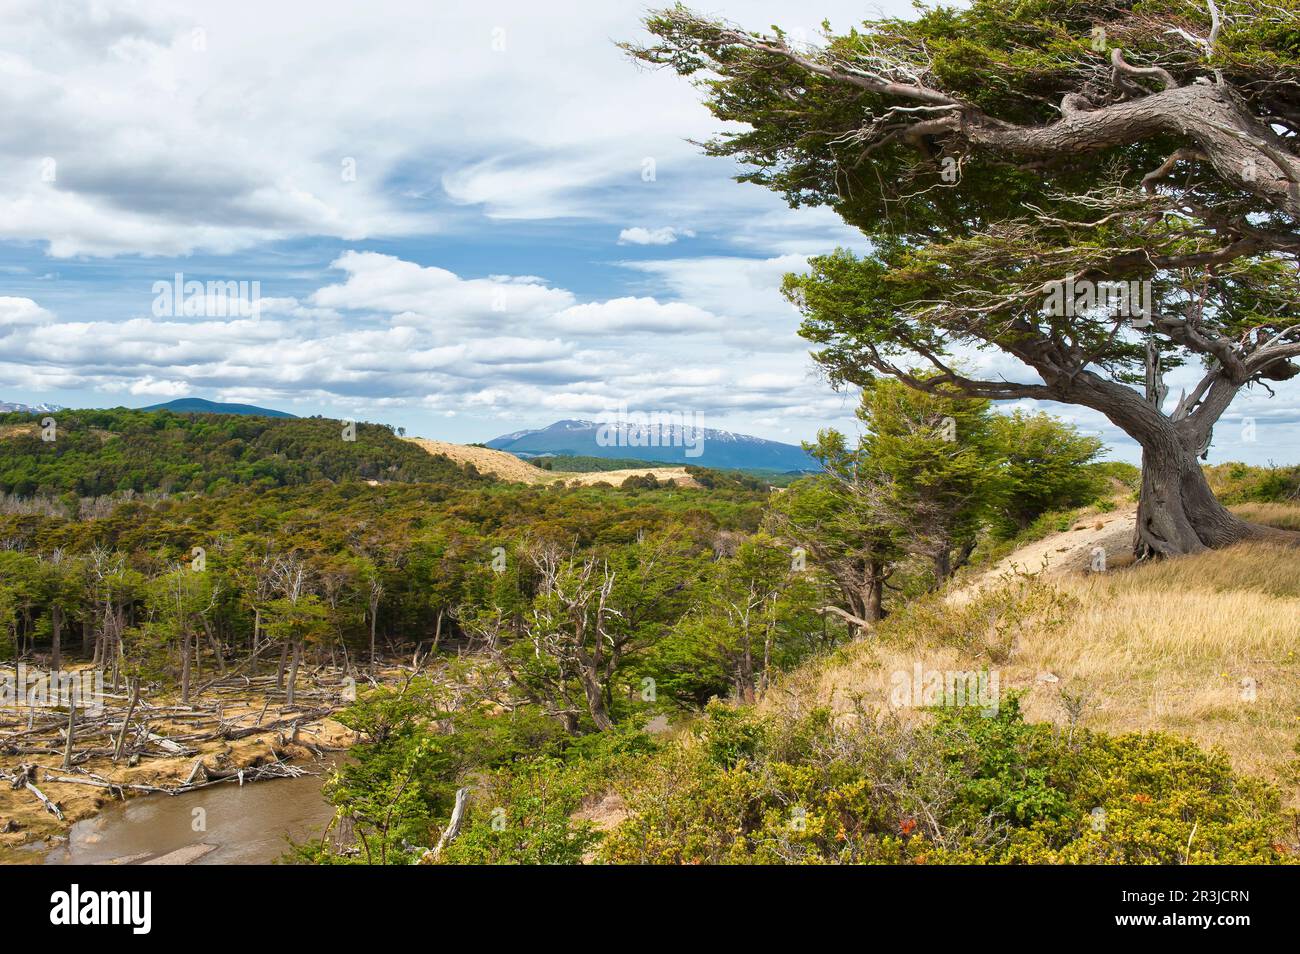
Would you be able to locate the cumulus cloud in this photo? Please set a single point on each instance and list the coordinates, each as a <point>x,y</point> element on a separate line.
<point>421,337</point>
<point>621,315</point>
<point>133,126</point>
<point>419,293</point>
<point>667,235</point>
<point>257,131</point>
<point>162,388</point>
<point>15,312</point>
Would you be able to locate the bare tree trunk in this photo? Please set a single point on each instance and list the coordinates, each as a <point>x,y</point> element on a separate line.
<point>767,655</point>
<point>293,671</point>
<point>56,635</point>
<point>126,721</point>
<point>374,616</point>
<point>873,596</point>
<point>745,673</point>
<point>279,673</point>
<point>72,728</point>
<point>1177,511</point>
<point>185,667</point>
<point>216,647</point>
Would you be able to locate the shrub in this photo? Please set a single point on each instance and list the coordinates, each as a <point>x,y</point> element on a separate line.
<point>958,789</point>
<point>1235,483</point>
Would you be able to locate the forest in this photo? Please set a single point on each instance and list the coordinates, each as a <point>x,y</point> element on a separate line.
<point>99,453</point>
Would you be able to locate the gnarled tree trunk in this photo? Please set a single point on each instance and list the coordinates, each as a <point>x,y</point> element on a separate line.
<point>1177,511</point>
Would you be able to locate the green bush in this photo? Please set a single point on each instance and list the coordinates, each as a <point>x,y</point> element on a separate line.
<point>1236,483</point>
<point>959,788</point>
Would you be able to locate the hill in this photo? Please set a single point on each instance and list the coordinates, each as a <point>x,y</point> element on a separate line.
<point>507,466</point>
<point>1202,646</point>
<point>101,452</point>
<point>485,460</point>
<point>703,447</point>
<point>202,406</point>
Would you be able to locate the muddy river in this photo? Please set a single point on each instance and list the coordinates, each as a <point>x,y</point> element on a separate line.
<point>225,824</point>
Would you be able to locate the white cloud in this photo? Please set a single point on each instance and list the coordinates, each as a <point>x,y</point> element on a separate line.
<point>638,235</point>
<point>421,294</point>
<point>285,122</point>
<point>152,386</point>
<point>162,148</point>
<point>621,315</point>
<point>425,337</point>
<point>22,312</point>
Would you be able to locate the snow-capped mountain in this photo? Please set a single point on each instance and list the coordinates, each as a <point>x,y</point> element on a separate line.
<point>7,407</point>
<point>669,441</point>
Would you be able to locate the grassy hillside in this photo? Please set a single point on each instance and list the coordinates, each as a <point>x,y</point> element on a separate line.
<point>101,452</point>
<point>1203,647</point>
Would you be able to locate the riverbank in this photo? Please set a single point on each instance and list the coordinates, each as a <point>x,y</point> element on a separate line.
<point>240,731</point>
<point>219,825</point>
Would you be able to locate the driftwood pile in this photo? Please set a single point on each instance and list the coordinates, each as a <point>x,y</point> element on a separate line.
<point>129,729</point>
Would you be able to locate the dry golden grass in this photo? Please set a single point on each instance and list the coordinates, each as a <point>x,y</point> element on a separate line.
<point>486,461</point>
<point>1206,647</point>
<point>509,467</point>
<point>1282,515</point>
<point>614,478</point>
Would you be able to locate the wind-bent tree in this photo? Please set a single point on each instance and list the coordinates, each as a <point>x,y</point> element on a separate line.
<point>1009,162</point>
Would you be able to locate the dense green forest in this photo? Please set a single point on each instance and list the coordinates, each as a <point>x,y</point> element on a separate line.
<point>578,464</point>
<point>98,452</point>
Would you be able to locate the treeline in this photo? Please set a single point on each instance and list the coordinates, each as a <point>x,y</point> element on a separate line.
<point>93,453</point>
<point>580,464</point>
<point>327,573</point>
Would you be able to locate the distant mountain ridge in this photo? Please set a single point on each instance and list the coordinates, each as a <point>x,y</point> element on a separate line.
<point>668,443</point>
<point>8,407</point>
<point>203,406</point>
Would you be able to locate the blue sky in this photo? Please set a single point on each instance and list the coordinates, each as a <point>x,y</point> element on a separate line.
<point>463,221</point>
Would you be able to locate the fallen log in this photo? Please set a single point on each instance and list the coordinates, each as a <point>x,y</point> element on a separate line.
<point>241,732</point>
<point>182,856</point>
<point>25,779</point>
<point>115,787</point>
<point>167,744</point>
<point>198,769</point>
